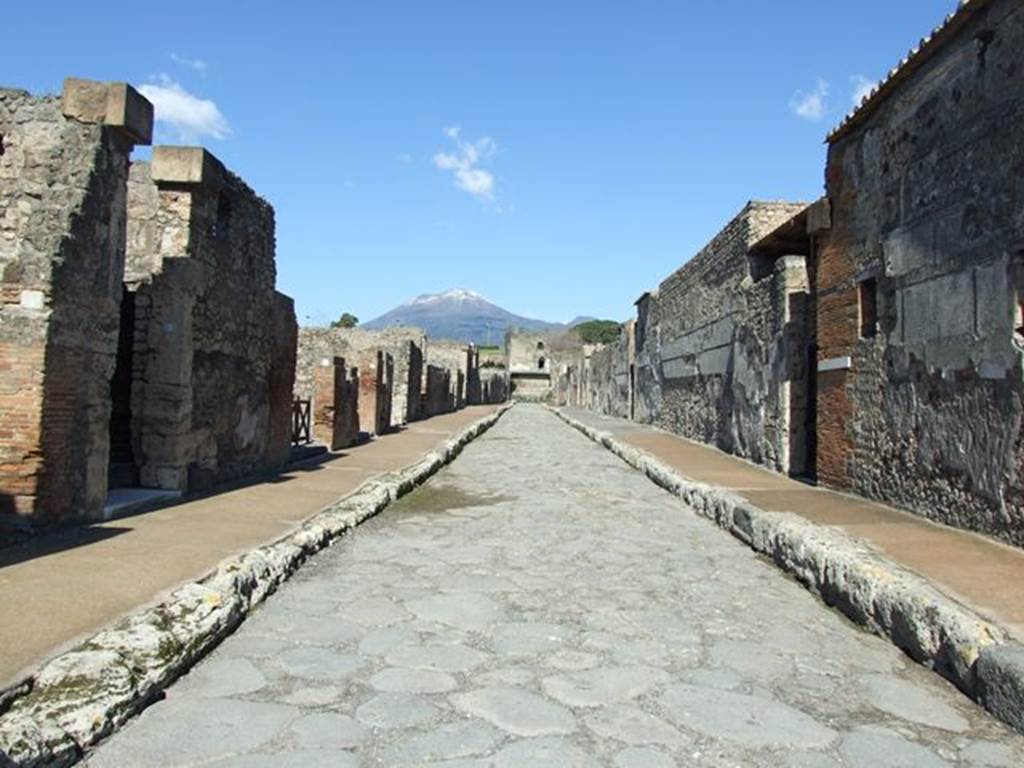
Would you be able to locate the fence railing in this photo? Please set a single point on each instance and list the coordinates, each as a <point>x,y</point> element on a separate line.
<point>302,412</point>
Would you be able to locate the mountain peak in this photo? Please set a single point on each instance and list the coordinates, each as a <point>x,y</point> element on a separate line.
<point>451,295</point>
<point>459,314</point>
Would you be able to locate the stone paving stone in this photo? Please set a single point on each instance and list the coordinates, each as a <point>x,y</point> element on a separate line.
<point>564,612</point>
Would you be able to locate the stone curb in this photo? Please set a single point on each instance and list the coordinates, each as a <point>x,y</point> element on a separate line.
<point>83,695</point>
<point>872,590</point>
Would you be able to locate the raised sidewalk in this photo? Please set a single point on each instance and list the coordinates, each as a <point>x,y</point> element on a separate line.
<point>62,586</point>
<point>981,573</point>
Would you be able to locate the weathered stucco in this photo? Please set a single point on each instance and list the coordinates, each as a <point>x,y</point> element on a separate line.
<point>928,202</point>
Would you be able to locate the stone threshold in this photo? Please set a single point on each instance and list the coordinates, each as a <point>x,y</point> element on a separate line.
<point>876,592</point>
<point>81,696</point>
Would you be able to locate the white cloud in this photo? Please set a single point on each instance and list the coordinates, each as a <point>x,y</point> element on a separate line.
<point>465,161</point>
<point>862,88</point>
<point>199,65</point>
<point>810,106</point>
<point>190,115</point>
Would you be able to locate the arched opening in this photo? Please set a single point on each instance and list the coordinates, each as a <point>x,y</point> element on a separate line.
<point>540,346</point>
<point>541,362</point>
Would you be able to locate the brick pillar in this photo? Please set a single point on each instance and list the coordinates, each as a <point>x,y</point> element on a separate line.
<point>332,397</point>
<point>370,364</point>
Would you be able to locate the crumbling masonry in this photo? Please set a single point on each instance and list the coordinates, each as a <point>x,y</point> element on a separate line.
<point>874,340</point>
<point>143,343</point>
<point>63,176</point>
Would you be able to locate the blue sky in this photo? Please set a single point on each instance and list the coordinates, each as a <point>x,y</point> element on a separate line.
<point>558,157</point>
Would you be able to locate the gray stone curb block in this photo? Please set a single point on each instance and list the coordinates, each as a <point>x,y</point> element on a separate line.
<point>874,591</point>
<point>82,696</point>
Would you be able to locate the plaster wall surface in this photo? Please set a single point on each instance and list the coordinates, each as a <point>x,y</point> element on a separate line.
<point>927,191</point>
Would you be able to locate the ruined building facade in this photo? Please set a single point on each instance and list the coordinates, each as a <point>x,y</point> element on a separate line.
<point>872,340</point>
<point>528,362</point>
<point>401,377</point>
<point>209,353</point>
<point>919,283</point>
<point>142,341</point>
<point>64,167</point>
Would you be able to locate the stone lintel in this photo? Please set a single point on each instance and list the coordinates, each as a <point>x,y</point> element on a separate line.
<point>184,165</point>
<point>115,104</point>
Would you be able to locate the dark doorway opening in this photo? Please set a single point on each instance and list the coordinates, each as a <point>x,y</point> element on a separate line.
<point>123,472</point>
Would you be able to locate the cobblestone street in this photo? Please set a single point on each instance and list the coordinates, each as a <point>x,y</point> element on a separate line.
<point>539,603</point>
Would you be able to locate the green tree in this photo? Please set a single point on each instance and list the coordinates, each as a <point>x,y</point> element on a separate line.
<point>599,331</point>
<point>347,320</point>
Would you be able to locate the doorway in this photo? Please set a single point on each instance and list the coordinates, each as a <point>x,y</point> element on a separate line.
<point>122,472</point>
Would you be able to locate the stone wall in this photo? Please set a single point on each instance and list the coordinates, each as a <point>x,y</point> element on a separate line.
<point>211,363</point>
<point>647,342</point>
<point>376,384</point>
<point>719,346</point>
<point>335,396</point>
<point>494,387</point>
<point>607,386</point>
<point>63,173</point>
<point>919,283</point>
<point>437,393</point>
<point>529,363</point>
<point>461,360</point>
<point>405,345</point>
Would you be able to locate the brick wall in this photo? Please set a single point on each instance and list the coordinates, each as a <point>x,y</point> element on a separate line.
<point>63,172</point>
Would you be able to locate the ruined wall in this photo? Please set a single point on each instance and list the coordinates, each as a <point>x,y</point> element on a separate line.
<point>493,385</point>
<point>474,387</point>
<point>284,343</point>
<point>211,362</point>
<point>924,407</point>
<point>529,363</point>
<point>376,385</point>
<point>647,359</point>
<point>458,358</point>
<point>719,350</point>
<point>335,396</point>
<point>405,345</point>
<point>608,369</point>
<point>63,173</point>
<point>437,392</point>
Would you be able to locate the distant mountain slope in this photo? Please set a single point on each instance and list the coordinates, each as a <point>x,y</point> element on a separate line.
<point>461,315</point>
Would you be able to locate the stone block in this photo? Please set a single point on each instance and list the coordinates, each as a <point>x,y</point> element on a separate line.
<point>131,111</point>
<point>939,308</point>
<point>995,302</point>
<point>184,165</point>
<point>115,104</point>
<point>84,100</point>
<point>819,216</point>
<point>906,250</point>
